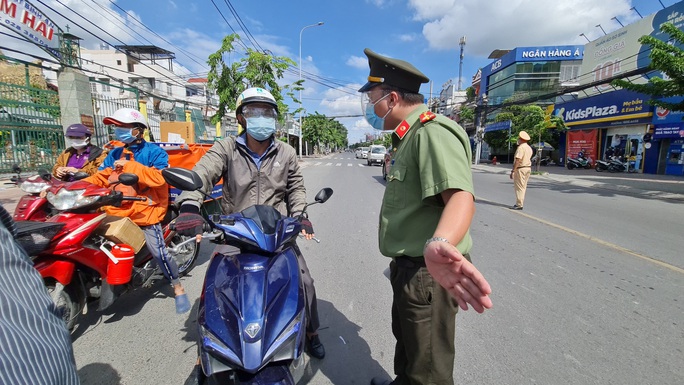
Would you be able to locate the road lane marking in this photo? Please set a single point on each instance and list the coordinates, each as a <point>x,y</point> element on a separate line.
<point>597,240</point>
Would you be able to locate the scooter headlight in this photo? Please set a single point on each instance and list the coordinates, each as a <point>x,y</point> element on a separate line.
<point>34,187</point>
<point>70,199</point>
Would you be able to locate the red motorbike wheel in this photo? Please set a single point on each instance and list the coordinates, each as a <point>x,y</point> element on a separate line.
<point>66,303</point>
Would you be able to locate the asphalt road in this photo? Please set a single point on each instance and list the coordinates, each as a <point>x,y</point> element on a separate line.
<point>587,290</point>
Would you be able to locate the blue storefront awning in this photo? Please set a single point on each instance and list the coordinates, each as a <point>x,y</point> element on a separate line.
<point>505,125</point>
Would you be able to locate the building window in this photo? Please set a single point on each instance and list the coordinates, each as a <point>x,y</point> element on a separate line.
<point>131,67</point>
<point>93,87</point>
<point>118,62</point>
<point>169,89</point>
<point>105,85</point>
<point>189,91</point>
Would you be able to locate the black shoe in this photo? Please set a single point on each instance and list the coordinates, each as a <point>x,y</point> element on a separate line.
<point>315,347</point>
<point>381,381</point>
<point>516,207</point>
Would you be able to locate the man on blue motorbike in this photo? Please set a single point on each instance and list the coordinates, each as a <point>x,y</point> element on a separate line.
<point>256,169</point>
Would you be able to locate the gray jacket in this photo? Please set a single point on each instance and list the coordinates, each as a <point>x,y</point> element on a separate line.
<point>277,183</point>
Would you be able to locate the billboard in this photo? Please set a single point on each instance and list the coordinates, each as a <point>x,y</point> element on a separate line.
<point>620,51</point>
<point>29,22</point>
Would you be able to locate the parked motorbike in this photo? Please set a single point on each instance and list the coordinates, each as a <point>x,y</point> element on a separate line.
<point>602,165</point>
<point>580,162</point>
<point>79,263</point>
<point>252,313</point>
<point>616,164</point>
<point>34,206</point>
<point>544,161</point>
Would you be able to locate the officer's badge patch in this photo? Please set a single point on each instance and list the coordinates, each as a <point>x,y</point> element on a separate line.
<point>402,129</point>
<point>427,116</point>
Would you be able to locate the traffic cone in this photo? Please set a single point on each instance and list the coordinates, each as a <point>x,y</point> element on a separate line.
<point>494,161</point>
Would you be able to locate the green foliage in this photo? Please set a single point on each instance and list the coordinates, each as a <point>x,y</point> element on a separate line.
<point>530,118</point>
<point>255,69</point>
<point>324,132</point>
<point>470,94</point>
<point>669,59</point>
<point>466,114</point>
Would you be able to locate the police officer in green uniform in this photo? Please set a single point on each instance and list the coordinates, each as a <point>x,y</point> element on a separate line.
<point>424,223</point>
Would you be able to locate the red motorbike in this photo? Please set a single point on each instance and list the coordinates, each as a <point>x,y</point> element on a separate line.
<point>79,263</point>
<point>34,206</point>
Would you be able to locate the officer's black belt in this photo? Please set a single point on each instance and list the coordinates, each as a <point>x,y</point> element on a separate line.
<point>409,262</point>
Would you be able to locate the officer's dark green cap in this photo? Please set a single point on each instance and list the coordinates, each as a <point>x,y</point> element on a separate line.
<point>393,72</point>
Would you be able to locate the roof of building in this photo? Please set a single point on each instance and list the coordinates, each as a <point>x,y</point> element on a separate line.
<point>497,53</point>
<point>146,52</point>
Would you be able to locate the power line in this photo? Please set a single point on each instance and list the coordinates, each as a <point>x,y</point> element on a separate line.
<point>99,38</point>
<point>188,54</point>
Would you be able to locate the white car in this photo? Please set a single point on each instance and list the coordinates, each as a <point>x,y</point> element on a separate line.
<point>376,154</point>
<point>361,152</point>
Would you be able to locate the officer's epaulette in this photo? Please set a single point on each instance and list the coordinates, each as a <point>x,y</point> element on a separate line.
<point>427,116</point>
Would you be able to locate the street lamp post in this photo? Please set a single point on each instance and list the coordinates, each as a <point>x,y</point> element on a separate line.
<point>479,130</point>
<point>301,131</point>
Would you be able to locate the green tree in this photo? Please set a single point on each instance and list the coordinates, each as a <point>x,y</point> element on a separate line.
<point>255,69</point>
<point>470,94</point>
<point>466,115</point>
<point>324,132</point>
<point>530,118</point>
<point>665,57</point>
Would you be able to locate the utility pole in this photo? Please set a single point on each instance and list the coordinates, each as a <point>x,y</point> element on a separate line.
<point>462,43</point>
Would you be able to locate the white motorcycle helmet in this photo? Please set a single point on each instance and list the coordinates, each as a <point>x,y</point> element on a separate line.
<point>254,95</point>
<point>126,117</point>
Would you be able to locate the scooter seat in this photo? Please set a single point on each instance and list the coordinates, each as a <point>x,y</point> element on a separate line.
<point>34,237</point>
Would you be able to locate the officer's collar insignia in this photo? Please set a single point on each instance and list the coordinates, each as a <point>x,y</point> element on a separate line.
<point>427,116</point>
<point>402,129</point>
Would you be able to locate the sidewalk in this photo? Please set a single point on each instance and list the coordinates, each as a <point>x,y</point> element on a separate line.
<point>667,187</point>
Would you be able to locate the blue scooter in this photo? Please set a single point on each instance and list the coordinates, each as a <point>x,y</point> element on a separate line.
<point>252,314</point>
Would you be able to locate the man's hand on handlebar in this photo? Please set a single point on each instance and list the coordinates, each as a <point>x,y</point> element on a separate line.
<point>189,223</point>
<point>307,228</point>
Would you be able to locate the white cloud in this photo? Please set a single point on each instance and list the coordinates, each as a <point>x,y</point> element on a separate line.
<point>358,62</point>
<point>506,24</point>
<point>408,37</point>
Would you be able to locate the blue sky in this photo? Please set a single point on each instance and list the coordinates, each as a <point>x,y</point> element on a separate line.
<point>423,32</point>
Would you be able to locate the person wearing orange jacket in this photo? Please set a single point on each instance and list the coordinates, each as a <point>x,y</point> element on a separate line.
<point>146,161</point>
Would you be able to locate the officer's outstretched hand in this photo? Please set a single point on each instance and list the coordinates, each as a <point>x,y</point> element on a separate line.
<point>458,276</point>
<point>189,223</point>
<point>307,228</point>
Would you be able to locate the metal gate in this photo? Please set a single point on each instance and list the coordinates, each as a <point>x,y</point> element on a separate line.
<point>31,133</point>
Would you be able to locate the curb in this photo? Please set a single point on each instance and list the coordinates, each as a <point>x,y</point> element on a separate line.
<point>624,188</point>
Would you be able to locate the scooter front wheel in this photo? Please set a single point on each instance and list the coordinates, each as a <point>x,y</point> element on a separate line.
<point>65,301</point>
<point>186,255</point>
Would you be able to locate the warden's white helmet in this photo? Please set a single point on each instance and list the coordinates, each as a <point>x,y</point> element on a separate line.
<point>126,116</point>
<point>254,95</point>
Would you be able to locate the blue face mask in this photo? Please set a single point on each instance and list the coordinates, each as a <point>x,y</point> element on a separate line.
<point>124,135</point>
<point>261,128</point>
<point>372,118</point>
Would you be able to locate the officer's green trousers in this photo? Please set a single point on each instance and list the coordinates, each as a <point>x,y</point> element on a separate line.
<point>424,325</point>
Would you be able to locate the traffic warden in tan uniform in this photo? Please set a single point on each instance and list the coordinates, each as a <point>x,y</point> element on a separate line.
<point>424,223</point>
<point>522,167</point>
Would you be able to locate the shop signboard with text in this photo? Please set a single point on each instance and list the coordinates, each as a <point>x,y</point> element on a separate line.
<point>610,109</point>
<point>530,54</point>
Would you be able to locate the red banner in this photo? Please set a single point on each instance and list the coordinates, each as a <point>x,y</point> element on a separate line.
<point>583,140</point>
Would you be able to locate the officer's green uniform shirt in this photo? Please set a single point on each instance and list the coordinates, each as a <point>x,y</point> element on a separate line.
<point>432,157</point>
